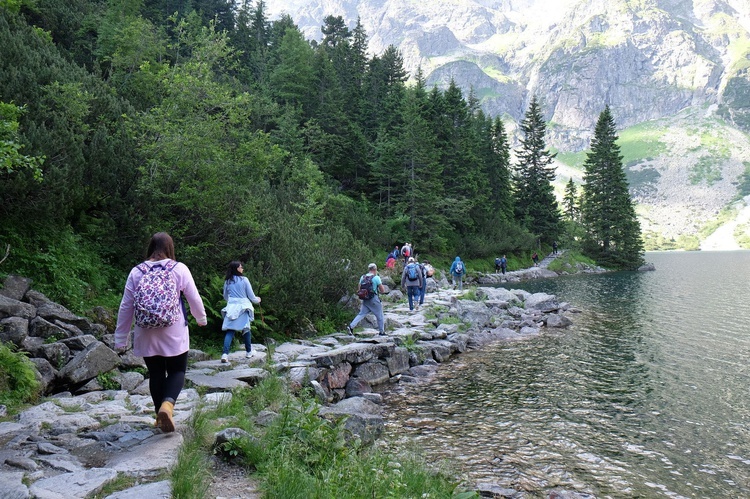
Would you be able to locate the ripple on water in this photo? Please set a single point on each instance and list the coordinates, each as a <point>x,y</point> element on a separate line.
<point>645,396</point>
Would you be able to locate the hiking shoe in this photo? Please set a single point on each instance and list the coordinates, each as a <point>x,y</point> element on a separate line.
<point>164,419</point>
<point>248,355</point>
<point>224,358</point>
<point>381,334</point>
<point>349,330</point>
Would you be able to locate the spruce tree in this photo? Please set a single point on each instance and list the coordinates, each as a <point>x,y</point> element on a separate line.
<point>613,233</point>
<point>535,204</point>
<point>499,171</point>
<point>570,202</point>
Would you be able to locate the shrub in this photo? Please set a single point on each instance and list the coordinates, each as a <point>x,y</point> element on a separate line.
<point>18,382</point>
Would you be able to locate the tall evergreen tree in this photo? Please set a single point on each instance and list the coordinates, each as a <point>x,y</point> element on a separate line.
<point>421,198</point>
<point>570,201</point>
<point>613,231</point>
<point>498,172</point>
<point>535,204</point>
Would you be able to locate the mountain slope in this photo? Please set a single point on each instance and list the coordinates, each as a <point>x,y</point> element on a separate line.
<point>665,63</point>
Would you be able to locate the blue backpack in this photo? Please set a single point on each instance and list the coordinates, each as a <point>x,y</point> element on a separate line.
<point>412,272</point>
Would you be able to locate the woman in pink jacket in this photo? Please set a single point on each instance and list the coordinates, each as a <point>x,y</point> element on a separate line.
<point>164,348</point>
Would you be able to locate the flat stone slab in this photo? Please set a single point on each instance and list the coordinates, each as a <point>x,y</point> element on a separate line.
<point>155,490</point>
<point>252,375</point>
<point>214,383</point>
<point>80,484</point>
<point>11,485</point>
<point>153,455</point>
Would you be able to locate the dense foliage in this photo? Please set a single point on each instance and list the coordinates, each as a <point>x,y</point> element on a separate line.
<point>244,141</point>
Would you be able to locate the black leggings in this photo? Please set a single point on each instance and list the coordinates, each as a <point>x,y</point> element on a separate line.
<point>166,377</point>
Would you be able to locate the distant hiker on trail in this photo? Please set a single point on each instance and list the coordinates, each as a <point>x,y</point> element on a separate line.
<point>370,287</point>
<point>423,290</point>
<point>535,259</point>
<point>411,280</point>
<point>390,261</point>
<point>503,264</point>
<point>396,253</point>
<point>554,247</point>
<point>497,265</point>
<point>406,252</point>
<point>457,271</point>
<point>161,334</point>
<point>239,312</point>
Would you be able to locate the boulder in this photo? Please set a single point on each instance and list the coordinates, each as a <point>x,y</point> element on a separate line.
<point>42,328</point>
<point>336,376</point>
<point>56,353</point>
<point>374,372</point>
<point>228,436</point>
<point>129,380</point>
<point>15,287</point>
<point>558,320</point>
<point>363,419</point>
<point>51,311</point>
<point>96,359</point>
<point>47,373</point>
<point>14,330</point>
<point>542,302</point>
<point>78,343</point>
<point>15,308</point>
<point>356,387</point>
<point>398,362</point>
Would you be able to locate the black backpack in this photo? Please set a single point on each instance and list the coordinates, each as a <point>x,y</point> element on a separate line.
<point>365,292</point>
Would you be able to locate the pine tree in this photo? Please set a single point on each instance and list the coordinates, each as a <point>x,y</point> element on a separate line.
<point>570,202</point>
<point>613,233</point>
<point>498,170</point>
<point>535,204</point>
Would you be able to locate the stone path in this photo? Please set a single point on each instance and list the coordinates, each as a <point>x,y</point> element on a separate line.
<point>71,446</point>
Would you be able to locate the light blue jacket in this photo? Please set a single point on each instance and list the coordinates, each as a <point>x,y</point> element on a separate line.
<point>239,312</point>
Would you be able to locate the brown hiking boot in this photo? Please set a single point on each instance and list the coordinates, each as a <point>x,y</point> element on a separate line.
<point>164,419</point>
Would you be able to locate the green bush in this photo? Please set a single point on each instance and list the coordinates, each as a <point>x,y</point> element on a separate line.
<point>18,382</point>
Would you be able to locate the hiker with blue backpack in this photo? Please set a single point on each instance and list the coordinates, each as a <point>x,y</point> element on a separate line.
<point>152,299</point>
<point>239,312</point>
<point>457,271</point>
<point>411,281</point>
<point>369,289</point>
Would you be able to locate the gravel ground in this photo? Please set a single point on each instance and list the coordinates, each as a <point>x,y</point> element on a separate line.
<point>231,482</point>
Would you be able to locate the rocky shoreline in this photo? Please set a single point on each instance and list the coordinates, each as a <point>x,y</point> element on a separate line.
<point>84,435</point>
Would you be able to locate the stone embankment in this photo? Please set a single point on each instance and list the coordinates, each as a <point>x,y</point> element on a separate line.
<point>84,435</point>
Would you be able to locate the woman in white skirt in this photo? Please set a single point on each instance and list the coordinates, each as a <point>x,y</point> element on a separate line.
<point>239,312</point>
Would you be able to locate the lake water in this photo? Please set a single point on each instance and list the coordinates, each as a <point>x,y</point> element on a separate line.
<point>646,395</point>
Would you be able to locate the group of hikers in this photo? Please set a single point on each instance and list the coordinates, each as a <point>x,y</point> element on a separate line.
<point>413,281</point>
<point>152,306</point>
